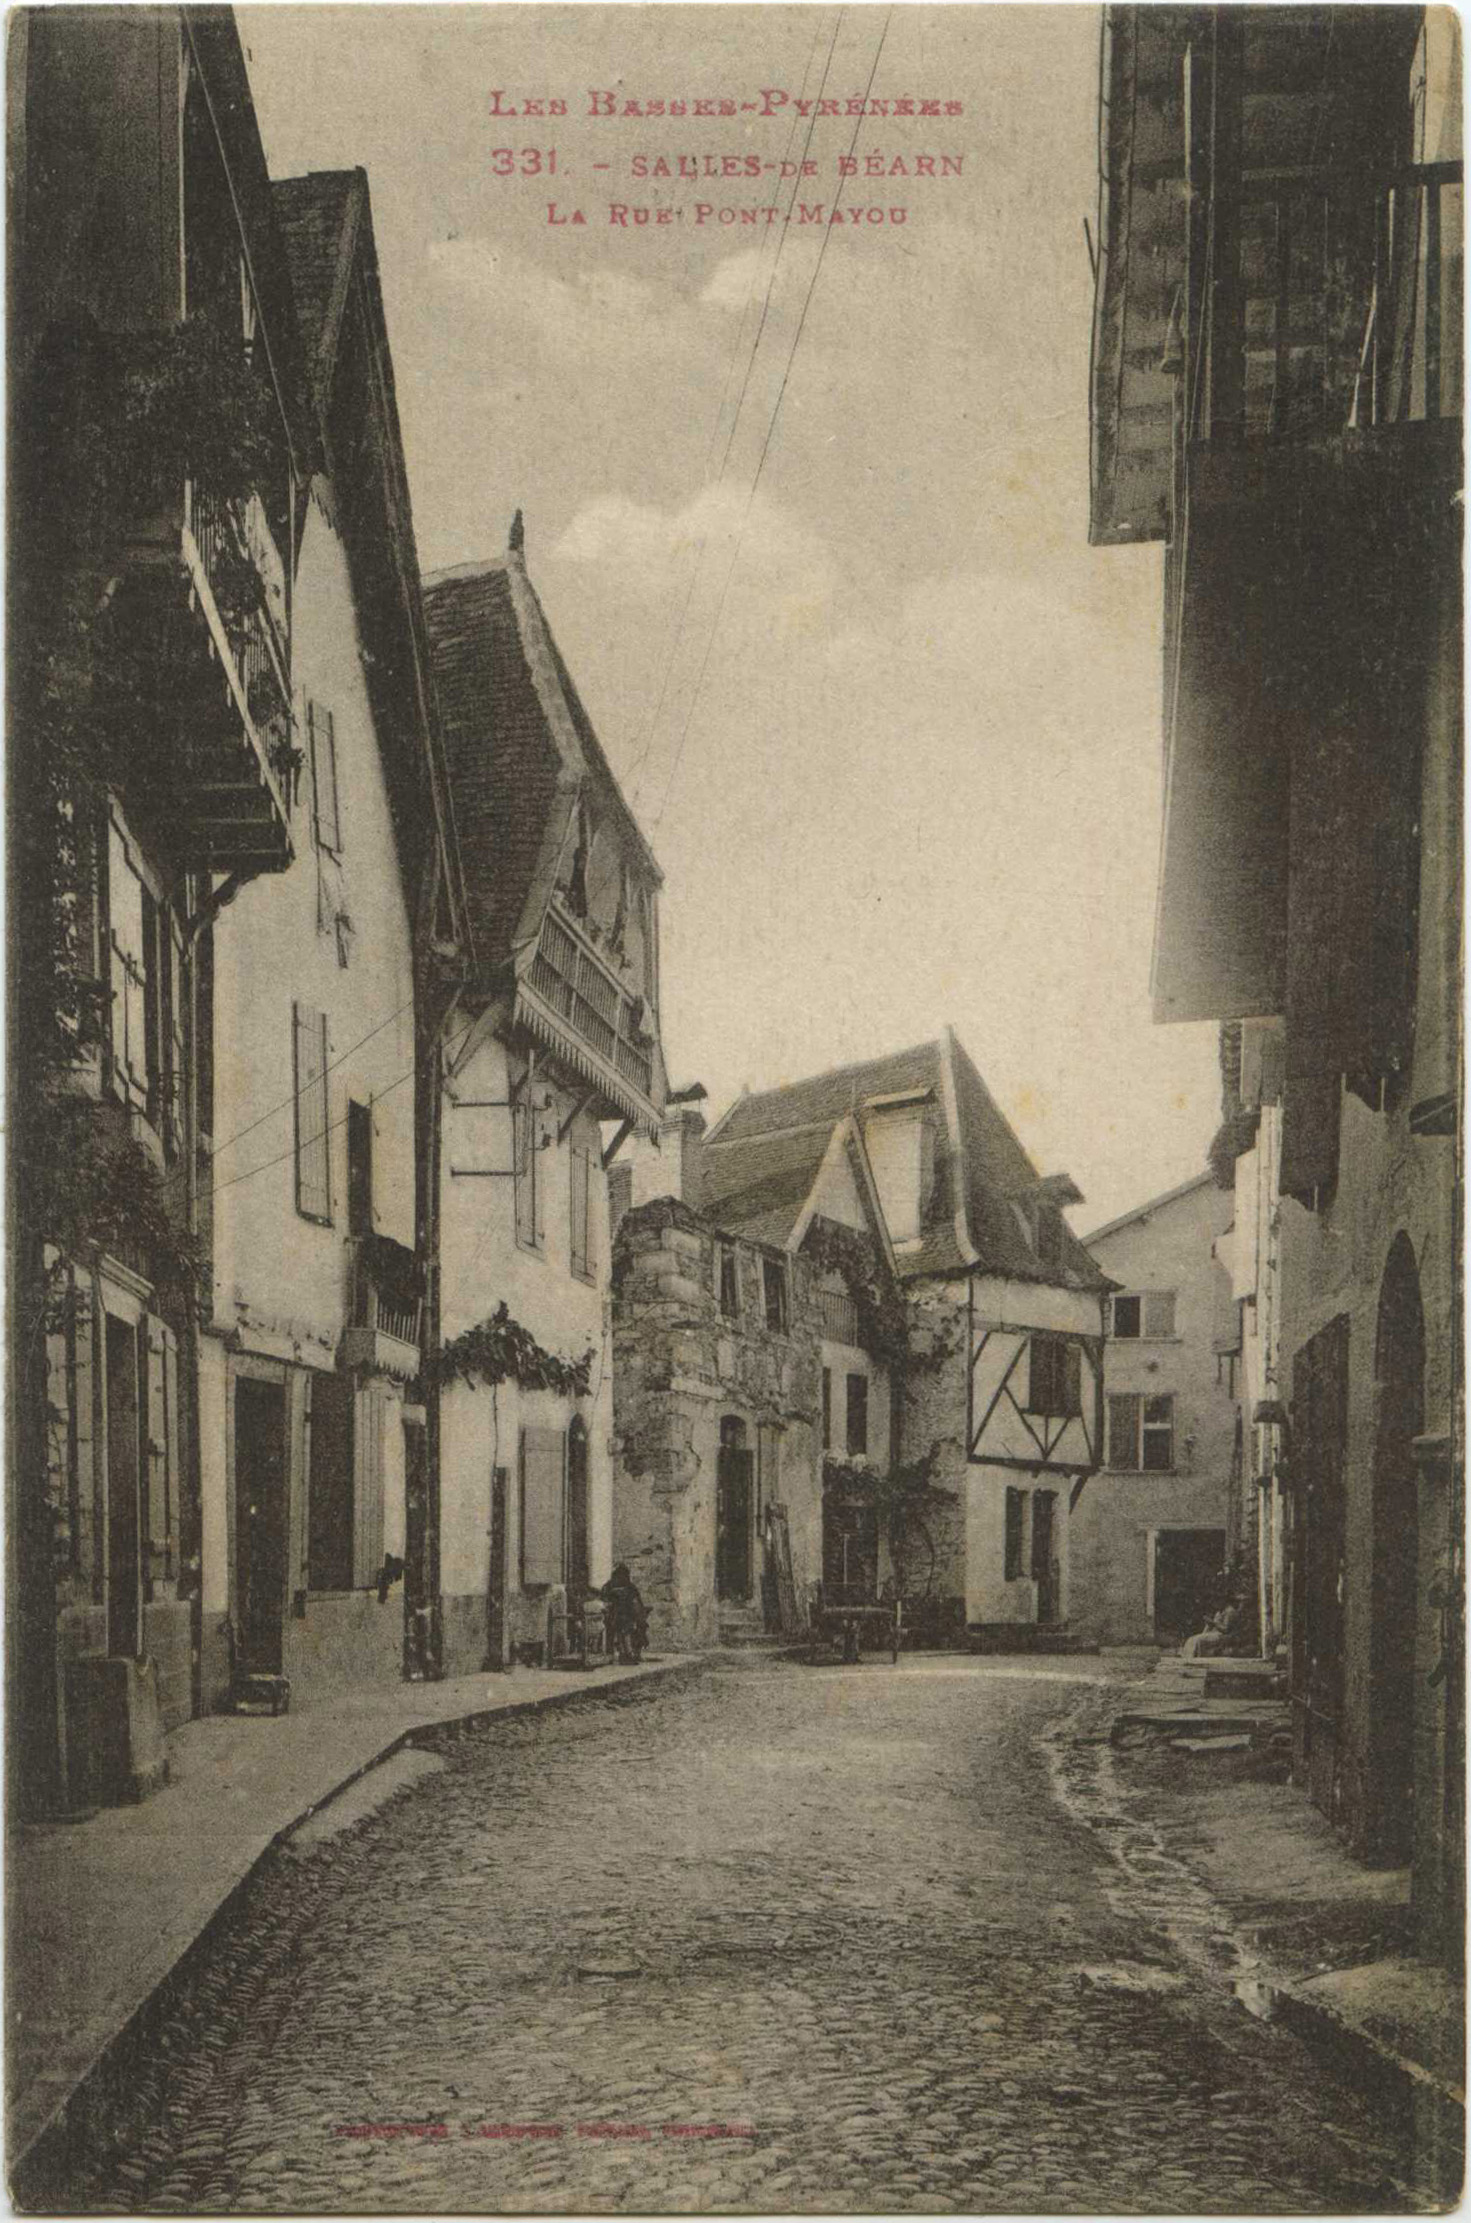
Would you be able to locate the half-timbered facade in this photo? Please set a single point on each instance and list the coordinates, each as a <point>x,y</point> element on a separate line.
<point>998,1384</point>
<point>554,1040</point>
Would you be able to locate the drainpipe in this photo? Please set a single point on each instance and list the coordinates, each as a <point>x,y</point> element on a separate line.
<point>191,1533</point>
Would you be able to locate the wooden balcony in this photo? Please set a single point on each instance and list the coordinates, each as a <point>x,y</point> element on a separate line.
<point>383,1331</point>
<point>571,996</point>
<point>239,755</point>
<point>1327,302</point>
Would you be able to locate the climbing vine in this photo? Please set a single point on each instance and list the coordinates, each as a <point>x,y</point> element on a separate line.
<point>903,1496</point>
<point>883,1321</point>
<point>114,425</point>
<point>501,1350</point>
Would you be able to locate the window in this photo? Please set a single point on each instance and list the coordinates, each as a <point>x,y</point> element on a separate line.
<point>1149,1315</point>
<point>359,1169</point>
<point>313,1156</point>
<point>526,1146</point>
<point>1049,1235</point>
<point>1159,1435</point>
<point>730,1287</point>
<point>774,1280</point>
<point>582,1243</point>
<point>858,1412</point>
<point>827,1408</point>
<point>542,1524</point>
<point>1015,1517</point>
<point>322,743</point>
<point>1141,1433</point>
<point>145,966</point>
<point>1055,1385</point>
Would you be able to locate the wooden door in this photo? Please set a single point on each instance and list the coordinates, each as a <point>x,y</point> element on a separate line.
<point>124,1479</point>
<point>1319,1443</point>
<point>260,1524</point>
<point>497,1645</point>
<point>734,1496</point>
<point>1188,1563</point>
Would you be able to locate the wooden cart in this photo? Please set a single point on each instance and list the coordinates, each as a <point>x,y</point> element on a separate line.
<point>850,1625</point>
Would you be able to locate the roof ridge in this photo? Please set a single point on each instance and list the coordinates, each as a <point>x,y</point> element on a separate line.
<point>479,567</point>
<point>838,1072</point>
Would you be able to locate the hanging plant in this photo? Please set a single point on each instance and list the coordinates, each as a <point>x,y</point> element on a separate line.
<point>501,1350</point>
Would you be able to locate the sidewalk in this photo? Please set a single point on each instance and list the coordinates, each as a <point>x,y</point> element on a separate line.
<point>100,1913</point>
<point>1327,1944</point>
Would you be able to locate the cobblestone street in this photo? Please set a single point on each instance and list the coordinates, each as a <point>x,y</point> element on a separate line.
<point>838,1912</point>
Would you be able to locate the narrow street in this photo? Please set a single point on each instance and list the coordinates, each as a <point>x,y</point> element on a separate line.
<point>765,1938</point>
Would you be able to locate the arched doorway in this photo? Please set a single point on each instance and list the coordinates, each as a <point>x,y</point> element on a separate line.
<point>734,1512</point>
<point>577,1548</point>
<point>1399,1399</point>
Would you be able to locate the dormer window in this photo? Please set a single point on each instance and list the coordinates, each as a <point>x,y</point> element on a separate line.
<point>899,1137</point>
<point>1049,1226</point>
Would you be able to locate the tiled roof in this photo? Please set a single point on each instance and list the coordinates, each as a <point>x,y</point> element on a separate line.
<point>316,215</point>
<point>760,1161</point>
<point>521,746</point>
<point>507,775</point>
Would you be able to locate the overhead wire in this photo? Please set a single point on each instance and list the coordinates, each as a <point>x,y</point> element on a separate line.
<point>652,728</point>
<point>770,432</point>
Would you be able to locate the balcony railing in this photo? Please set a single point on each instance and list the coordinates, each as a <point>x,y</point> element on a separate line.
<point>838,1315</point>
<point>576,984</point>
<point>1336,304</point>
<point>237,803</point>
<point>385,1296</point>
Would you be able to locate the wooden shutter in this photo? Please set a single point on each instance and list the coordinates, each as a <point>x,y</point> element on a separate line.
<point>61,1432</point>
<point>367,1525</point>
<point>298,1480</point>
<point>1015,1503</point>
<point>89,1434</point>
<point>393,1166</point>
<point>1159,1312</point>
<point>176,1071</point>
<point>1072,1378</point>
<point>582,1259</point>
<point>330,1487</point>
<point>858,1412</point>
<point>313,1154</point>
<point>1123,1431</point>
<point>543,1476</point>
<point>126,968</point>
<point>161,1450</point>
<point>322,737</point>
<point>527,1181</point>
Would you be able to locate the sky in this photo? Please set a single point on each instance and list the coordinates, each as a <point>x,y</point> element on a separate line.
<point>806,505</point>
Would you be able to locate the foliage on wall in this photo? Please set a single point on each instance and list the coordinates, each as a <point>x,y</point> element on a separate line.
<point>501,1350</point>
<point>883,1322</point>
<point>902,1496</point>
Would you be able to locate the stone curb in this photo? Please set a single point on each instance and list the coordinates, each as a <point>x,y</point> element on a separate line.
<point>28,2140</point>
<point>1437,2108</point>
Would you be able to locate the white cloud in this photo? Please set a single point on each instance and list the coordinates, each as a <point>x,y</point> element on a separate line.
<point>730,288</point>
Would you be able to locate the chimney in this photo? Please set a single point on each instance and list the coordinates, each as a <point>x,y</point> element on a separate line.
<point>518,535</point>
<point>681,1134</point>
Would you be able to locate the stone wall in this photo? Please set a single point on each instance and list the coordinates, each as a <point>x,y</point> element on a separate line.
<point>680,1367</point>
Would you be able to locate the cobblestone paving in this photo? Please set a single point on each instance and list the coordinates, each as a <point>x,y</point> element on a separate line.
<point>839,1911</point>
